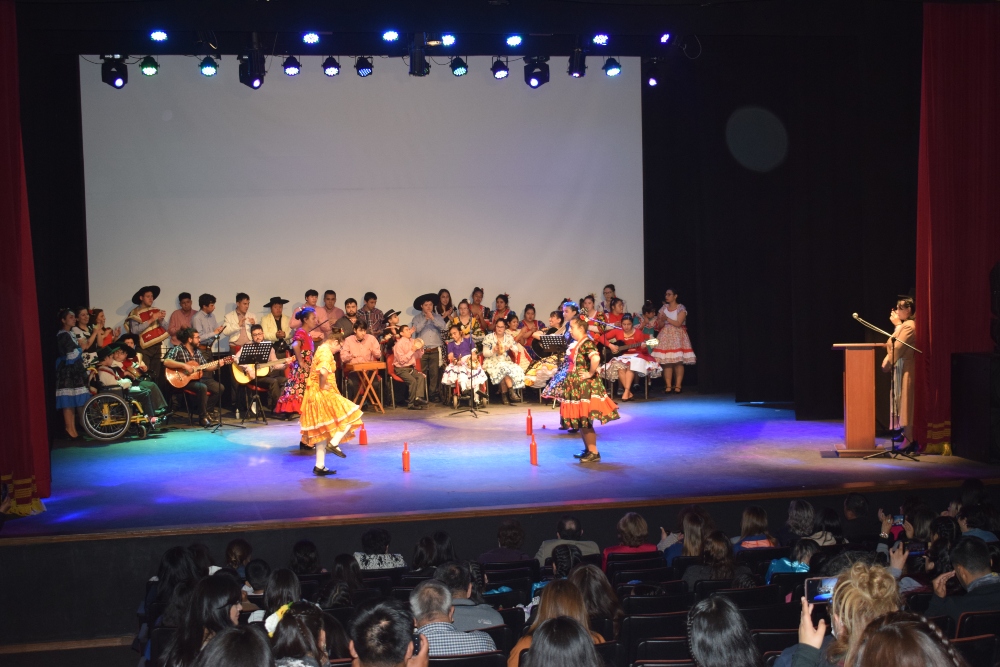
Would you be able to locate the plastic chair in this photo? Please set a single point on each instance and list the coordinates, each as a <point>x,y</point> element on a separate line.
<point>616,566</point>
<point>363,594</point>
<point>342,614</point>
<point>946,624</point>
<point>656,604</point>
<point>382,584</point>
<point>514,619</point>
<point>976,623</point>
<point>499,576</point>
<point>752,557</point>
<point>682,563</point>
<point>390,370</point>
<point>776,617</point>
<point>604,627</point>
<point>491,659</point>
<point>402,592</point>
<point>918,602</point>
<point>787,581</point>
<point>978,651</point>
<point>529,563</point>
<point>614,557</point>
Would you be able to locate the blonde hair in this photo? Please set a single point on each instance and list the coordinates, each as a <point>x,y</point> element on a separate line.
<point>632,530</point>
<point>561,598</point>
<point>862,594</point>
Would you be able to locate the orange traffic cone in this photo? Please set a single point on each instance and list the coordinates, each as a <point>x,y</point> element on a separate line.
<point>530,429</point>
<point>406,458</point>
<point>534,451</point>
<point>363,436</point>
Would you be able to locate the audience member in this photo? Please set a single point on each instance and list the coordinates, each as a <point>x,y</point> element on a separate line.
<point>180,600</point>
<point>564,558</point>
<point>690,541</point>
<point>376,556</point>
<point>215,604</point>
<point>827,528</point>
<point>444,550</point>
<point>423,557</point>
<point>568,531</point>
<point>718,635</point>
<point>599,597</point>
<point>347,570</point>
<point>299,637</point>
<point>510,537</point>
<point>468,614</point>
<point>801,517</point>
<point>203,559</point>
<point>917,526</point>
<point>903,639</point>
<point>970,559</point>
<point>305,558</point>
<point>860,522</point>
<point>337,641</point>
<point>176,566</point>
<point>238,553</point>
<point>382,636</point>
<point>257,573</point>
<point>562,642</point>
<point>945,527</point>
<point>333,594</point>
<point>975,522</point>
<point>282,588</point>
<point>560,598</point>
<point>433,613</point>
<point>754,532</point>
<point>799,561</point>
<point>719,562</point>
<point>236,647</point>
<point>632,534</point>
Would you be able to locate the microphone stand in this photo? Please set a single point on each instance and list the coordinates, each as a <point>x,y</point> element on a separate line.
<point>892,452</point>
<point>218,378</point>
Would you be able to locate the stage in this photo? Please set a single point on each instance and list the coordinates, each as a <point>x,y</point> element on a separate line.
<point>667,448</point>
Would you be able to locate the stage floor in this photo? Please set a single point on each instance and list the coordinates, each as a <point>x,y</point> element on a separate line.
<point>669,447</point>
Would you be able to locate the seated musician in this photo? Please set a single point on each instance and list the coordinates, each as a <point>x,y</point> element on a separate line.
<point>360,348</point>
<point>134,368</point>
<point>463,367</point>
<point>111,373</point>
<point>647,323</point>
<point>146,322</point>
<point>404,363</point>
<point>276,326</point>
<point>593,317</point>
<point>520,352</point>
<point>322,319</point>
<point>501,312</point>
<point>541,371</point>
<point>272,374</point>
<point>185,358</point>
<point>614,316</point>
<point>350,318</point>
<point>468,323</point>
<point>631,358</point>
<point>528,325</point>
<point>181,317</point>
<point>390,334</point>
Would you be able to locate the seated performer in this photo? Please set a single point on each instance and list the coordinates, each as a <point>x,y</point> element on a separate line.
<point>105,334</point>
<point>271,376</point>
<point>134,368</point>
<point>631,358</point>
<point>463,368</point>
<point>519,352</point>
<point>524,331</point>
<point>501,312</point>
<point>614,316</point>
<point>390,334</point>
<point>371,315</point>
<point>180,318</point>
<point>359,348</point>
<point>238,322</point>
<point>498,365</point>
<point>349,319</point>
<point>184,358</point>
<point>428,327</point>
<point>404,363</point>
<point>111,374</point>
<point>147,323</point>
<point>593,317</point>
<point>607,305</point>
<point>322,325</point>
<point>208,328</point>
<point>445,307</point>
<point>541,371</point>
<point>479,311</point>
<point>328,313</point>
<point>647,324</point>
<point>468,323</point>
<point>276,325</point>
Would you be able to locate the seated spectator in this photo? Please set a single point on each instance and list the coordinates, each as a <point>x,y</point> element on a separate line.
<point>801,517</point>
<point>347,570</point>
<point>827,528</point>
<point>599,597</point>
<point>203,559</point>
<point>177,607</point>
<point>859,521</point>
<point>376,556</point>
<point>560,642</point>
<point>863,593</point>
<point>257,572</point>
<point>719,562</point>
<point>945,527</point>
<point>423,557</point>
<point>632,534</point>
<point>337,641</point>
<point>215,605</point>
<point>298,637</point>
<point>801,556</point>
<point>382,636</point>
<point>444,550</point>
<point>745,580</point>
<point>468,614</point>
<point>282,588</point>
<point>975,522</point>
<point>718,635</point>
<point>560,598</point>
<point>238,554</point>
<point>973,492</point>
<point>305,558</point>
<point>754,532</point>
<point>510,537</point>
<point>690,541</point>
<point>901,639</point>
<point>917,526</point>
<point>564,558</point>
<point>176,566</point>
<point>433,613</point>
<point>568,531</point>
<point>236,647</point>
<point>333,594</point>
<point>970,559</point>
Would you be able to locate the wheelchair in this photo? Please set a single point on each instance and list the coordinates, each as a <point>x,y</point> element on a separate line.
<point>112,412</point>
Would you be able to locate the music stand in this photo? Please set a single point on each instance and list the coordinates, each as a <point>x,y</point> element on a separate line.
<point>553,342</point>
<point>253,354</point>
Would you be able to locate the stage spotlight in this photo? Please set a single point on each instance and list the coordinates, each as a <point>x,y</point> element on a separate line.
<point>158,36</point>
<point>500,69</point>
<point>364,66</point>
<point>611,67</point>
<point>208,66</point>
<point>577,64</point>
<point>390,35</point>
<point>331,67</point>
<point>458,67</point>
<point>252,69</point>
<point>653,73</point>
<point>114,72</point>
<point>149,66</point>
<point>664,38</point>
<point>291,66</point>
<point>310,38</point>
<point>652,81</point>
<point>514,40</point>
<point>419,65</point>
<point>536,71</point>
<point>448,40</point>
<point>601,39</point>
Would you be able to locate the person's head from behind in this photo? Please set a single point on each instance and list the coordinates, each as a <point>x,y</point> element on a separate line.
<point>632,530</point>
<point>431,603</point>
<point>238,553</point>
<point>828,521</point>
<point>510,535</point>
<point>718,635</point>
<point>855,506</point>
<point>562,642</point>
<point>456,577</point>
<point>719,555</point>
<point>214,606</point>
<point>973,492</point>
<point>257,571</point>
<point>921,520</point>
<point>904,639</point>
<point>176,566</point>
<point>598,595</point>
<point>347,569</point>
<point>971,559</point>
<point>236,647</point>
<point>337,641</point>
<point>282,588</point>
<point>569,528</point>
<point>305,558</point>
<point>375,541</point>
<point>300,633</point>
<point>945,527</point>
<point>564,558</point>
<point>973,517</point>
<point>333,594</point>
<point>561,598</point>
<point>382,634</point>
<point>804,550</point>
<point>694,529</point>
<point>862,593</point>
<point>444,550</point>
<point>202,558</point>
<point>423,553</point>
<point>754,522</point>
<point>801,517</point>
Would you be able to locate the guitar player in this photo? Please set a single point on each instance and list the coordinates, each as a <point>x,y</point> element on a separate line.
<point>185,358</point>
<point>274,380</point>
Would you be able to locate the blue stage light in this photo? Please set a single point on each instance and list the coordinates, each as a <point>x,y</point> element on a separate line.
<point>601,39</point>
<point>158,36</point>
<point>390,35</point>
<point>310,38</point>
<point>447,40</point>
<point>363,66</point>
<point>611,67</point>
<point>514,40</point>
<point>114,71</point>
<point>536,71</point>
<point>651,81</point>
<point>458,67</point>
<point>500,69</point>
<point>331,67</point>
<point>664,38</point>
<point>291,66</point>
<point>209,67</point>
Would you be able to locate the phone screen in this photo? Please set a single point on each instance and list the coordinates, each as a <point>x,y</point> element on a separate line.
<point>820,589</point>
<point>897,519</point>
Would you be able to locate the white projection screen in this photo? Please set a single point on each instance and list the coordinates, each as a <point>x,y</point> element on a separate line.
<point>391,184</point>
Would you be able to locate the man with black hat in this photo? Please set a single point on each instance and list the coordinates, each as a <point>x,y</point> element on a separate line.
<point>146,322</point>
<point>390,334</point>
<point>276,326</point>
<point>427,326</point>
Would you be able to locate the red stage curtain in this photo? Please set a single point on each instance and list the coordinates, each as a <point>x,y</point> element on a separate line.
<point>24,452</point>
<point>958,205</point>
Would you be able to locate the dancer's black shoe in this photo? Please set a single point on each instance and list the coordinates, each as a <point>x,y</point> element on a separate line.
<point>306,447</point>
<point>336,451</point>
<point>323,472</point>
<point>591,457</point>
<point>581,454</point>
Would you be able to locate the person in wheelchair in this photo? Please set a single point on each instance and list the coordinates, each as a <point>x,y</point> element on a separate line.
<point>110,375</point>
<point>463,363</point>
<point>135,369</point>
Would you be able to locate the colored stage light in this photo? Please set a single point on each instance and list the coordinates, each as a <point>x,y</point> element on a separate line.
<point>664,38</point>
<point>390,35</point>
<point>114,72</point>
<point>208,66</point>
<point>149,66</point>
<point>652,81</point>
<point>536,71</point>
<point>363,66</point>
<point>458,67</point>
<point>331,67</point>
<point>291,66</point>
<point>448,40</point>
<point>310,38</point>
<point>601,39</point>
<point>611,67</point>
<point>158,36</point>
<point>500,69</point>
<point>514,40</point>
<point>577,64</point>
<point>252,69</point>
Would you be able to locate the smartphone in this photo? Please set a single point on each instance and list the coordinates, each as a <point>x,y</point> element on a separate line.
<point>820,589</point>
<point>897,519</point>
<point>416,642</point>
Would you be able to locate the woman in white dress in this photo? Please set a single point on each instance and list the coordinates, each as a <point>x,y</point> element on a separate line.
<point>674,351</point>
<point>499,366</point>
<point>463,362</point>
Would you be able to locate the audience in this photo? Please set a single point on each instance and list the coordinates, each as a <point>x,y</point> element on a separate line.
<point>238,554</point>
<point>974,521</point>
<point>754,532</point>
<point>718,562</point>
<point>282,588</point>
<point>560,598</point>
<point>305,558</point>
<point>382,636</point>
<point>945,527</point>
<point>569,530</point>
<point>801,517</point>
<point>510,537</point>
<point>236,647</point>
<point>444,550</point>
<point>599,597</point>
<point>562,642</point>
<point>970,559</point>
<point>827,527</point>
<point>902,639</point>
<point>802,554</point>
<point>423,557</point>
<point>337,641</point>
<point>376,556</point>
<point>215,605</point>
<point>299,637</point>
<point>332,594</point>
<point>347,570</point>
<point>434,616</point>
<point>632,534</point>
<point>690,541</point>
<point>859,522</point>
<point>257,571</point>
<point>467,613</point>
<point>718,635</point>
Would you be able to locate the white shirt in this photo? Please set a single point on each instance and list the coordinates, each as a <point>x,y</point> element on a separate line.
<point>232,324</point>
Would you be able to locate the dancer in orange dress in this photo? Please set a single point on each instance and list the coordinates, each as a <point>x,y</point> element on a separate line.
<point>326,418</point>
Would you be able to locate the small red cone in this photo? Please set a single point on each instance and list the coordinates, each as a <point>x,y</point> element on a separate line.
<point>534,451</point>
<point>363,436</point>
<point>530,429</point>
<point>406,458</point>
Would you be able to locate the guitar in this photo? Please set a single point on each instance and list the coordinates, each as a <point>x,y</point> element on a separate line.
<point>622,349</point>
<point>179,379</point>
<point>260,370</point>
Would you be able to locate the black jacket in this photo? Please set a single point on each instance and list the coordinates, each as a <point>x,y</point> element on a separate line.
<point>985,597</point>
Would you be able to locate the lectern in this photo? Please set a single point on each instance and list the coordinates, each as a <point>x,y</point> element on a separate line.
<point>859,398</point>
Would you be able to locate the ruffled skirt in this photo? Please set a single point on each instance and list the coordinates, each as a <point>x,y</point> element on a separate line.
<point>639,364</point>
<point>463,376</point>
<point>674,346</point>
<point>326,413</point>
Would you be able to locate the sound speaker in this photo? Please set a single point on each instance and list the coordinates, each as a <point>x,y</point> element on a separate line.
<point>975,406</point>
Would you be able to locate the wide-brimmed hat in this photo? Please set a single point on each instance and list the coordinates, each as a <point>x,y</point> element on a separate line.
<point>430,296</point>
<point>274,300</point>
<point>137,297</point>
<point>128,336</point>
<point>389,313</point>
<point>107,351</point>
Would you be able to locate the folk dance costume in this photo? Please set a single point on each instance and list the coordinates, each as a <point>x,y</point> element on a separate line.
<point>71,374</point>
<point>295,387</point>
<point>498,364</point>
<point>464,372</point>
<point>584,401</point>
<point>147,324</point>
<point>470,328</point>
<point>675,344</point>
<point>637,360</point>
<point>325,416</point>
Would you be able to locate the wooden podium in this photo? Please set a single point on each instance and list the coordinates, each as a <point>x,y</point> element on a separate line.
<point>859,398</point>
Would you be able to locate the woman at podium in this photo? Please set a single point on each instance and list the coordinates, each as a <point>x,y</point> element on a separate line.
<point>900,362</point>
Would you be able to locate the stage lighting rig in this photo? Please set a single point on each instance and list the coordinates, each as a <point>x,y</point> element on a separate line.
<point>612,67</point>
<point>514,40</point>
<point>114,71</point>
<point>158,36</point>
<point>577,64</point>
<point>252,69</point>
<point>291,66</point>
<point>208,66</point>
<point>390,35</point>
<point>653,72</point>
<point>149,66</point>
<point>536,71</point>
<point>419,65</point>
<point>331,67</point>
<point>364,67</point>
<point>500,69</point>
<point>600,39</point>
<point>311,38</point>
<point>458,67</point>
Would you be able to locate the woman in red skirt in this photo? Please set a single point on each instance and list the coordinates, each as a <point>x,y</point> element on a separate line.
<point>584,399</point>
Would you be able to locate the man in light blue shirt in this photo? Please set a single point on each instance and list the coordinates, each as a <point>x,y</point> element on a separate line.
<point>428,326</point>
<point>205,324</point>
